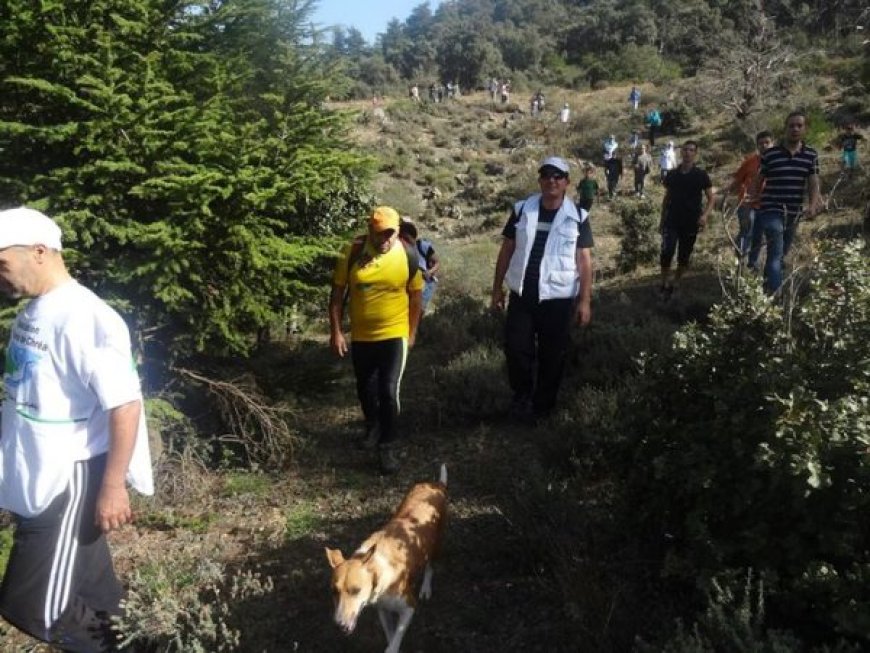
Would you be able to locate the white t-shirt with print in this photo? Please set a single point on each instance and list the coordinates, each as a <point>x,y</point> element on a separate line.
<point>68,363</point>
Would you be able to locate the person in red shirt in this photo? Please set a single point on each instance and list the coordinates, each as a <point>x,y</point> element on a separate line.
<point>740,184</point>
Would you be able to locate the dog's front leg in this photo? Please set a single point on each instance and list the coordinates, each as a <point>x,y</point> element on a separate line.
<point>386,618</point>
<point>426,587</point>
<point>405,615</point>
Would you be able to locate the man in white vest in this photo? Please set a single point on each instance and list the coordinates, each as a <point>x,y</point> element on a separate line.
<point>546,261</point>
<point>73,435</point>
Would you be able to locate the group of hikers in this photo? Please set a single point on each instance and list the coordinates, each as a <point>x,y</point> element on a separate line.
<point>545,261</point>
<point>73,426</point>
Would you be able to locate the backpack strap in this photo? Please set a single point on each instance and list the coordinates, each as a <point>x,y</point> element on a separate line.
<point>356,248</point>
<point>358,245</point>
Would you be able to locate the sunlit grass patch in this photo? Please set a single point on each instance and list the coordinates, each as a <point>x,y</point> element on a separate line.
<point>301,520</point>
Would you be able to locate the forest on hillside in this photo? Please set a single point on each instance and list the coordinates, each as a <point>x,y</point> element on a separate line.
<point>577,43</point>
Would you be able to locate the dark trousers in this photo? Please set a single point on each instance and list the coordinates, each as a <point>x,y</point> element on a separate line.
<point>639,179</point>
<point>537,335</point>
<point>679,238</point>
<point>60,585</point>
<point>378,367</point>
<point>652,135</point>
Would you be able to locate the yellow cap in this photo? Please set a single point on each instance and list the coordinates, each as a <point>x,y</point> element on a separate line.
<point>383,218</point>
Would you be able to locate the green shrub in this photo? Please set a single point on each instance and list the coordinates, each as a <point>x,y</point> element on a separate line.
<point>5,548</point>
<point>469,387</point>
<point>639,243</point>
<point>188,606</point>
<point>749,443</point>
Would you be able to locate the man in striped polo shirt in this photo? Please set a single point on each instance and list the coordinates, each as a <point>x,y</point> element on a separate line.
<point>787,170</point>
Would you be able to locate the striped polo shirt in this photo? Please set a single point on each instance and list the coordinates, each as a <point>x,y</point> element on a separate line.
<point>785,178</point>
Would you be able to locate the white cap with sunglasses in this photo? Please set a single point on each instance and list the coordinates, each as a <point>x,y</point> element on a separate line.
<point>554,162</point>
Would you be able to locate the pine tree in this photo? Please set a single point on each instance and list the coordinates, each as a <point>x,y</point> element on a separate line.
<point>187,153</point>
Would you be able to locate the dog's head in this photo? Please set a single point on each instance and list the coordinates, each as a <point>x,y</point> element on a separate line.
<point>353,582</point>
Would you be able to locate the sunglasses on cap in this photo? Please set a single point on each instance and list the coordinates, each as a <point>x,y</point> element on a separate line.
<point>553,174</point>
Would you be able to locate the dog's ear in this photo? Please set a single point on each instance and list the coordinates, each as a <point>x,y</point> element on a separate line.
<point>368,555</point>
<point>334,556</point>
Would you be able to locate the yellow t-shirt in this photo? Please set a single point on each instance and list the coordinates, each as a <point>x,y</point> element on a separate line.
<point>379,288</point>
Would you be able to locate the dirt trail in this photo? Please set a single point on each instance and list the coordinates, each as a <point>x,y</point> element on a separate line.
<point>487,594</point>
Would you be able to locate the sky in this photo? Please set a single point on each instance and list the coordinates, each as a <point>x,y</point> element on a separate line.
<point>369,16</point>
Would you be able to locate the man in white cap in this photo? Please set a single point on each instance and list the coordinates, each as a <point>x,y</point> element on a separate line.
<point>73,434</point>
<point>546,260</point>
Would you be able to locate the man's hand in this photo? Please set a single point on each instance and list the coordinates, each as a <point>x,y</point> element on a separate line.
<point>113,508</point>
<point>702,222</point>
<point>338,344</point>
<point>584,312</point>
<point>497,302</point>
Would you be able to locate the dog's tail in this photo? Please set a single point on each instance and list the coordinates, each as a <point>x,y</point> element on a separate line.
<point>443,477</point>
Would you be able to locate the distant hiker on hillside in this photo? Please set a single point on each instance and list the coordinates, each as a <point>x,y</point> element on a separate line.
<point>641,164</point>
<point>430,263</point>
<point>633,140</point>
<point>415,93</point>
<point>787,170</point>
<point>610,145</point>
<point>682,215</point>
<point>653,120</point>
<point>741,183</point>
<point>494,87</point>
<point>848,140</point>
<point>667,160</point>
<point>565,114</point>
<point>505,91</point>
<point>612,173</point>
<point>634,98</point>
<point>546,261</point>
<point>382,279</point>
<point>587,189</point>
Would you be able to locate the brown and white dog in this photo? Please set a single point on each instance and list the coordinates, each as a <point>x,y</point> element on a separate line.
<point>385,569</point>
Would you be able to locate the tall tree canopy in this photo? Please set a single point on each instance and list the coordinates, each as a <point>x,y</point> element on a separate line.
<point>186,151</point>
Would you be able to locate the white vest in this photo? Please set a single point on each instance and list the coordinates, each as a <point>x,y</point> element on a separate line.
<point>559,278</point>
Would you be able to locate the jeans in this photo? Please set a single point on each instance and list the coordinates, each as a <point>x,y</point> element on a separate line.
<point>771,226</point>
<point>428,291</point>
<point>745,217</point>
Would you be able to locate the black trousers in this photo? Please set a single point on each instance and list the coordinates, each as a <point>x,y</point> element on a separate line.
<point>60,585</point>
<point>378,367</point>
<point>537,335</point>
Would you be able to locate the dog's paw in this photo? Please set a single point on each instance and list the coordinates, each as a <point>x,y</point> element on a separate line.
<point>426,590</point>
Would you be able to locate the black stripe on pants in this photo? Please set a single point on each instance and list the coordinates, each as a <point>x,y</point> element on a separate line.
<point>378,367</point>
<point>537,335</point>
<point>60,584</point>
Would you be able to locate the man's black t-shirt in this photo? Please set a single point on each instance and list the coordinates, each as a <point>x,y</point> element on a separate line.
<point>685,195</point>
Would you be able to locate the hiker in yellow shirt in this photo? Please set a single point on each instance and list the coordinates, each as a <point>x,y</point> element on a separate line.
<point>381,277</point>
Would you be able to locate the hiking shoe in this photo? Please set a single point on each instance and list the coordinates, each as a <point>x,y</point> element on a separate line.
<point>521,410</point>
<point>388,459</point>
<point>369,439</point>
<point>665,292</point>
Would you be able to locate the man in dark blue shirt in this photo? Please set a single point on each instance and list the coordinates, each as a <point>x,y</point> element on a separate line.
<point>787,170</point>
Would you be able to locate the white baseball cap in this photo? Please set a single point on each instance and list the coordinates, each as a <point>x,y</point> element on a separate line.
<point>24,226</point>
<point>554,162</point>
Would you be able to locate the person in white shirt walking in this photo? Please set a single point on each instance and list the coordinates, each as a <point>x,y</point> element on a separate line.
<point>73,435</point>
